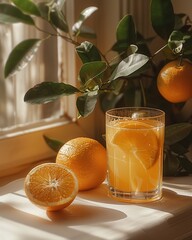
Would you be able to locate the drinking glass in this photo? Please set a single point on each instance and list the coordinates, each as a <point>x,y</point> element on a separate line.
<point>134,140</point>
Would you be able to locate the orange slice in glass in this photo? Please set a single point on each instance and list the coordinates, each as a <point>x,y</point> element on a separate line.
<point>139,141</point>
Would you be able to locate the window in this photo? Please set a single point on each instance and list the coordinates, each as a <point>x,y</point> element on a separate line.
<point>22,125</point>
<point>47,65</point>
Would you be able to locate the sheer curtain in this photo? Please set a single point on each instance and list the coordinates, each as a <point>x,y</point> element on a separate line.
<point>45,66</point>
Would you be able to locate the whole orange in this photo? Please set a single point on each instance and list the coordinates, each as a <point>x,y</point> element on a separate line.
<point>174,81</point>
<point>87,158</point>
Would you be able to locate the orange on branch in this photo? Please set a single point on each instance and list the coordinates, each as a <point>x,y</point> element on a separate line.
<point>174,81</point>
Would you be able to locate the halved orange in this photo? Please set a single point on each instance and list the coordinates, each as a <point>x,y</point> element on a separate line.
<point>51,186</point>
<point>139,141</point>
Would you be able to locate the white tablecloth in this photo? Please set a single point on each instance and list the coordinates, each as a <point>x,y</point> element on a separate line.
<point>93,215</point>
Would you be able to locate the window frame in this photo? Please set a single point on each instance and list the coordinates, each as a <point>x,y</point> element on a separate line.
<point>27,148</point>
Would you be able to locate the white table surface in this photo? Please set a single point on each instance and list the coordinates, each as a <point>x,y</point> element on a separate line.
<point>93,215</point>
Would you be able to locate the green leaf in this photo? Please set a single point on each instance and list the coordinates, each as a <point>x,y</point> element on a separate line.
<point>88,52</point>
<point>109,100</point>
<point>83,16</point>
<point>86,103</point>
<point>58,20</point>
<point>44,10</point>
<point>129,65</point>
<point>171,165</point>
<point>143,44</point>
<point>59,4</point>
<point>178,149</point>
<point>126,32</point>
<point>177,132</point>
<point>176,42</point>
<point>54,144</point>
<point>120,46</point>
<point>141,70</point>
<point>116,86</point>
<point>180,42</point>
<point>11,14</point>
<point>48,91</point>
<point>20,56</point>
<point>187,165</point>
<point>27,6</point>
<point>92,71</point>
<point>87,32</point>
<point>162,17</point>
<point>123,47</point>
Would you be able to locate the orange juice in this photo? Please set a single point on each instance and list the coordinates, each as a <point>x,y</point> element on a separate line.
<point>135,155</point>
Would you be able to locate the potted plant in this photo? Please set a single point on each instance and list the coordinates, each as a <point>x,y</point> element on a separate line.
<point>130,78</point>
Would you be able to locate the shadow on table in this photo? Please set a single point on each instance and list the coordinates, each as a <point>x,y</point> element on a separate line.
<point>88,210</point>
<point>179,214</point>
<point>61,223</point>
<point>176,207</point>
<point>80,214</point>
<point>99,194</point>
<point>169,202</point>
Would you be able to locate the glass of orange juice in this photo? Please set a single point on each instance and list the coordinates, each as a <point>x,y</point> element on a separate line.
<point>135,139</point>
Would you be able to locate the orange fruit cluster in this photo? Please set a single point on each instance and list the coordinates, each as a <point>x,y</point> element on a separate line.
<point>174,81</point>
<point>81,164</point>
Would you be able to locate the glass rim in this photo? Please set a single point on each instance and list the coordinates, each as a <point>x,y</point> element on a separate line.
<point>160,113</point>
